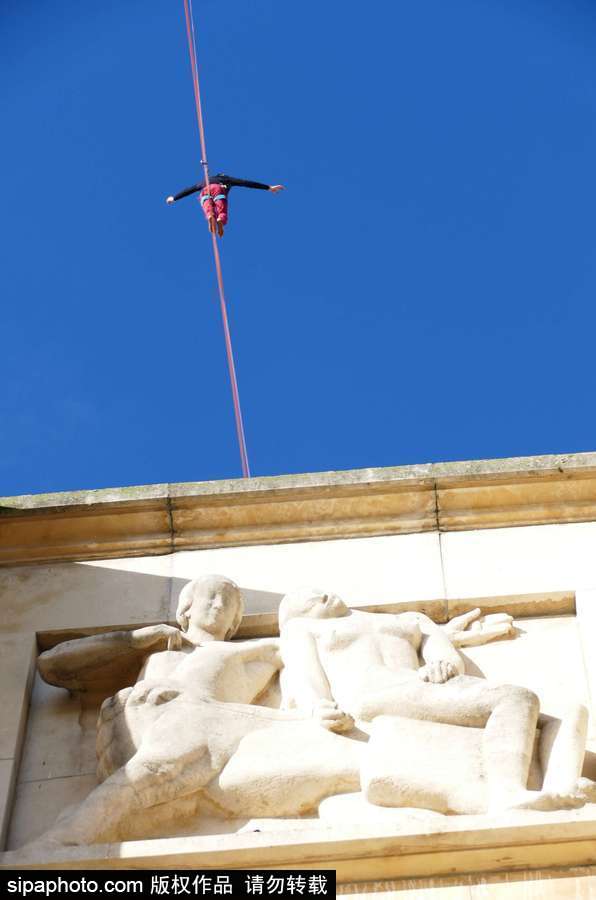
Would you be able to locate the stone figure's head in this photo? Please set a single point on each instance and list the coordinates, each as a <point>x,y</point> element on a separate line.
<point>212,604</point>
<point>311,603</point>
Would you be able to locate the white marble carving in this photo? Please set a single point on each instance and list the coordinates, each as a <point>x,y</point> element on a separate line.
<point>192,728</point>
<point>404,674</point>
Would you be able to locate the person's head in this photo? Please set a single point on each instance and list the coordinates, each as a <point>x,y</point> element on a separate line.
<point>212,604</point>
<point>311,603</point>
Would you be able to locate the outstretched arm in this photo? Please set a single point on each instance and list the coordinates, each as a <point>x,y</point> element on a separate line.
<point>258,185</point>
<point>92,663</point>
<point>471,628</point>
<point>186,192</point>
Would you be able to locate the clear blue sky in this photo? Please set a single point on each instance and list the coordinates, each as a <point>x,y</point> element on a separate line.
<point>425,288</point>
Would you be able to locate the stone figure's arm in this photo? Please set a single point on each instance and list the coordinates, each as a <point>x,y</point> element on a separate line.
<point>262,650</point>
<point>303,680</point>
<point>304,685</point>
<point>442,660</point>
<point>472,628</point>
<point>101,660</point>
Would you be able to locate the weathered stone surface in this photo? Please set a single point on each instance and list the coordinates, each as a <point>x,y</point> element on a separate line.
<point>382,538</point>
<point>191,732</point>
<point>547,603</point>
<point>519,560</point>
<point>450,779</point>
<point>61,733</point>
<point>360,854</point>
<point>17,659</point>
<point>187,726</point>
<point>586,624</point>
<point>389,670</point>
<point>6,793</point>
<point>39,803</point>
<point>74,595</point>
<point>366,571</point>
<point>155,519</point>
<point>578,883</point>
<point>545,657</point>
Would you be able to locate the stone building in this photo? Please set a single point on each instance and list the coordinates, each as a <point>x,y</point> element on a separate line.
<point>400,805</point>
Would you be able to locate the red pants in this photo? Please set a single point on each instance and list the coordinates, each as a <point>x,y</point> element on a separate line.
<point>214,201</point>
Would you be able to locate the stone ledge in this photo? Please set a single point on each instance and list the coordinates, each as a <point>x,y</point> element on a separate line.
<point>459,844</point>
<point>158,519</point>
<point>529,884</point>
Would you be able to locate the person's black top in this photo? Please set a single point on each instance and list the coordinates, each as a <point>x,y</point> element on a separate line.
<point>226,181</point>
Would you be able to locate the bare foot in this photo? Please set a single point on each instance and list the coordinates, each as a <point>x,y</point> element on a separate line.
<point>212,224</point>
<point>540,800</point>
<point>220,228</point>
<point>586,788</point>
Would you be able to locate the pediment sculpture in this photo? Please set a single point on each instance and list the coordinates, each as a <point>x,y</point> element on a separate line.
<point>372,705</point>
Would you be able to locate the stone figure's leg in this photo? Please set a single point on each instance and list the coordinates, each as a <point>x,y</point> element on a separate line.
<point>507,713</point>
<point>120,728</point>
<point>173,761</point>
<point>425,765</point>
<point>286,770</point>
<point>507,746</point>
<point>562,748</point>
<point>180,753</point>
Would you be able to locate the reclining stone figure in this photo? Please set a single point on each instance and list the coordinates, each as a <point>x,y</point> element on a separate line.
<point>377,665</point>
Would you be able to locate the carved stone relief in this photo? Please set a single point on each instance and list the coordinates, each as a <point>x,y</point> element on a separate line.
<point>376,712</point>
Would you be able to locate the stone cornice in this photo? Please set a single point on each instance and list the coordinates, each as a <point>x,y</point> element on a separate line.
<point>161,518</point>
<point>459,844</point>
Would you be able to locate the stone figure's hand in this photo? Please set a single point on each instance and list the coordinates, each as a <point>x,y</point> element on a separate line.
<point>471,629</point>
<point>331,717</point>
<point>157,637</point>
<point>438,672</point>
